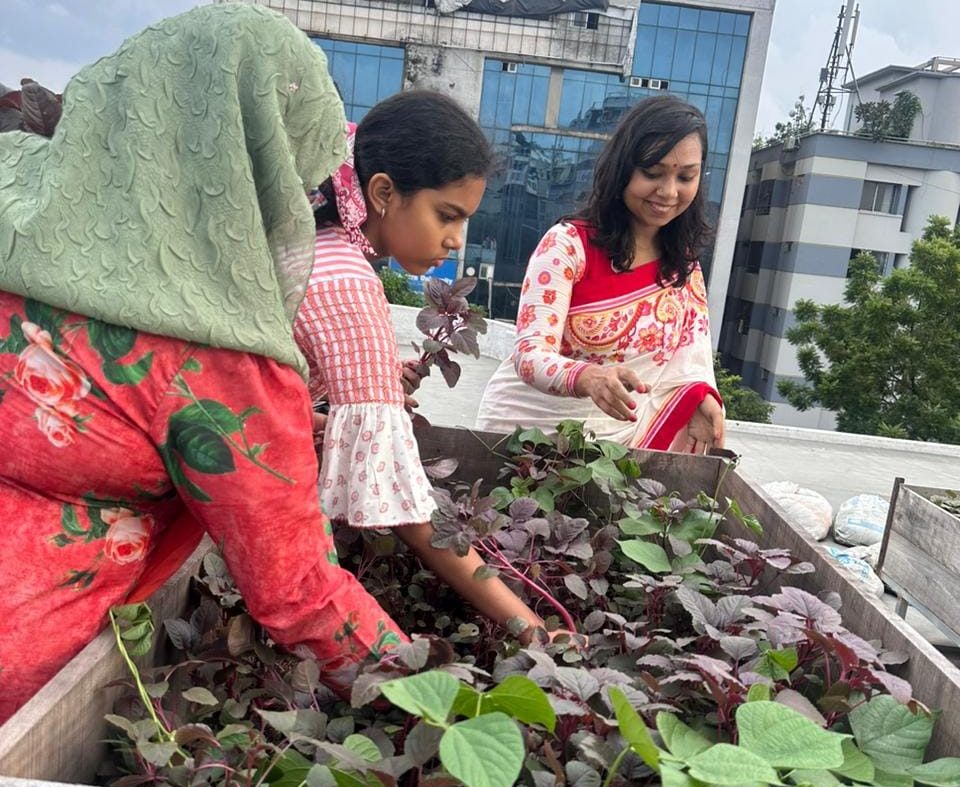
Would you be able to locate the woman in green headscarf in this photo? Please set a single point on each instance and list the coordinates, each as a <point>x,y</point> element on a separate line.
<point>152,256</point>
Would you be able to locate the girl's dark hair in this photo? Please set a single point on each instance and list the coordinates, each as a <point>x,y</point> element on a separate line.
<point>422,139</point>
<point>645,134</point>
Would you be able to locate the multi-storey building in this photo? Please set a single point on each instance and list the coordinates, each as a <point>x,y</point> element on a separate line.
<point>813,203</point>
<point>548,91</point>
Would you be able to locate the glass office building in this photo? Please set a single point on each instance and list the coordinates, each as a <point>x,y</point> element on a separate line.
<point>364,73</point>
<point>547,142</point>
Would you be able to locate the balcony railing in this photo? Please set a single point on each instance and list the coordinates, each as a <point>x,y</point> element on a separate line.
<point>564,38</point>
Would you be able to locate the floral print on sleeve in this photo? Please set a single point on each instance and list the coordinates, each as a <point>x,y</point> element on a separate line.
<point>555,266</point>
<point>107,435</point>
<point>243,461</point>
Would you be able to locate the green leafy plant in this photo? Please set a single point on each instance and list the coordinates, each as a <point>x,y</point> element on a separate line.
<point>695,663</point>
<point>741,403</point>
<point>881,120</point>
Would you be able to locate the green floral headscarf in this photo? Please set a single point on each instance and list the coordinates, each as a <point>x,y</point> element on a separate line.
<point>171,198</point>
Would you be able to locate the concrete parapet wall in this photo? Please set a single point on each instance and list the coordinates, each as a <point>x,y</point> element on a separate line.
<point>496,343</point>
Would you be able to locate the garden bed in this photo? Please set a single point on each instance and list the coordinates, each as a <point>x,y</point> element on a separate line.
<point>60,734</point>
<point>57,735</point>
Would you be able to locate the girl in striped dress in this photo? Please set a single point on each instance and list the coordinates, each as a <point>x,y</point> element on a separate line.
<point>417,172</point>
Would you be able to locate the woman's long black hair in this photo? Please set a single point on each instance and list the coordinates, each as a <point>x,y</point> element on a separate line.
<point>422,139</point>
<point>645,134</point>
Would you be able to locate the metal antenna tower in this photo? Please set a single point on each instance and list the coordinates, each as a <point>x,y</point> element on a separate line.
<point>834,75</point>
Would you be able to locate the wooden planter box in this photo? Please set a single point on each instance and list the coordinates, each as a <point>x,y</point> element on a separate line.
<point>935,681</point>
<point>920,556</point>
<point>59,734</point>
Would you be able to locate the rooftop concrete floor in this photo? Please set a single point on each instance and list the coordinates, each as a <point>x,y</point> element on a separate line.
<point>836,466</point>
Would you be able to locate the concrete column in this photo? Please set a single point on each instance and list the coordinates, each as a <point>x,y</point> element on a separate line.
<point>456,72</point>
<point>738,162</point>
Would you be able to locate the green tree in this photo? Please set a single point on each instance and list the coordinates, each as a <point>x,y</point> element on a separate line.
<point>882,120</point>
<point>887,361</point>
<point>396,286</point>
<point>800,122</point>
<point>741,403</point>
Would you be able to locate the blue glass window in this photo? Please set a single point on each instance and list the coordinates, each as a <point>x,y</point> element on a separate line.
<point>544,175</point>
<point>669,16</point>
<point>721,60</point>
<point>738,51</point>
<point>643,49</point>
<point>513,97</point>
<point>689,18</point>
<point>683,55</point>
<point>364,73</point>
<point>709,21</point>
<point>663,53</point>
<point>703,57</point>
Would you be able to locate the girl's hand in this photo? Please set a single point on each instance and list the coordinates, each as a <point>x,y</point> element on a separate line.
<point>410,377</point>
<point>319,426</point>
<point>706,427</point>
<point>611,388</point>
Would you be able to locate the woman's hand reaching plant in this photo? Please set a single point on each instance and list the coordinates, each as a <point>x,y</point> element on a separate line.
<point>611,388</point>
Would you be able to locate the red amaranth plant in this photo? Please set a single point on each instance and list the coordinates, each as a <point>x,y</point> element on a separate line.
<point>32,108</point>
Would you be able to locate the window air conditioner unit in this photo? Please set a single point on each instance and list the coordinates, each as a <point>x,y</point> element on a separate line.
<point>486,271</point>
<point>636,82</point>
<point>510,68</point>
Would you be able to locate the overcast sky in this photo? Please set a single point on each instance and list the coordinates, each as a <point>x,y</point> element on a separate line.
<point>49,41</point>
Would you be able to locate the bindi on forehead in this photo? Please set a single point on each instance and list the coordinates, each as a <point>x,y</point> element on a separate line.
<point>673,161</point>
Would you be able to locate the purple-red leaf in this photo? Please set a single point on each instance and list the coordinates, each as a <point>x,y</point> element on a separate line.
<point>429,320</point>
<point>443,468</point>
<point>451,373</point>
<point>464,286</point>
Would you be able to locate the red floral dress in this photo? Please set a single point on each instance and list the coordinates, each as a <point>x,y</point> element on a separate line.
<point>108,436</point>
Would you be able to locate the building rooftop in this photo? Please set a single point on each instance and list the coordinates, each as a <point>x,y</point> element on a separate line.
<point>935,66</point>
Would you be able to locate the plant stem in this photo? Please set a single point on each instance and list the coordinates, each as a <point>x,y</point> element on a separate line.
<point>135,673</point>
<point>505,565</point>
<point>614,766</point>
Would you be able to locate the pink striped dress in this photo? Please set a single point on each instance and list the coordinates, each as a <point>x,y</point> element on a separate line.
<point>370,474</point>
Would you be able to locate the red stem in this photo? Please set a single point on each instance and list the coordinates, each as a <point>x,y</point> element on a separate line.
<point>505,565</point>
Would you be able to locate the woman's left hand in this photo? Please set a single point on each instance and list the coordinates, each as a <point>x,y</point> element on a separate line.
<point>705,429</point>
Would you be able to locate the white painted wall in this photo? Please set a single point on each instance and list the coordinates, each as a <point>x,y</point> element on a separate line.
<point>937,195</point>
<point>815,418</point>
<point>820,224</point>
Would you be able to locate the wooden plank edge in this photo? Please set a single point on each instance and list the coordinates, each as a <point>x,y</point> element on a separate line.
<point>39,742</point>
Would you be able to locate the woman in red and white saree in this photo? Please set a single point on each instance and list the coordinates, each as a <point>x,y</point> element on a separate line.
<point>621,339</point>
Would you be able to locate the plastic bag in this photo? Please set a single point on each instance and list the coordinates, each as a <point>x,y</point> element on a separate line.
<point>860,520</point>
<point>871,554</point>
<point>804,507</point>
<point>858,571</point>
